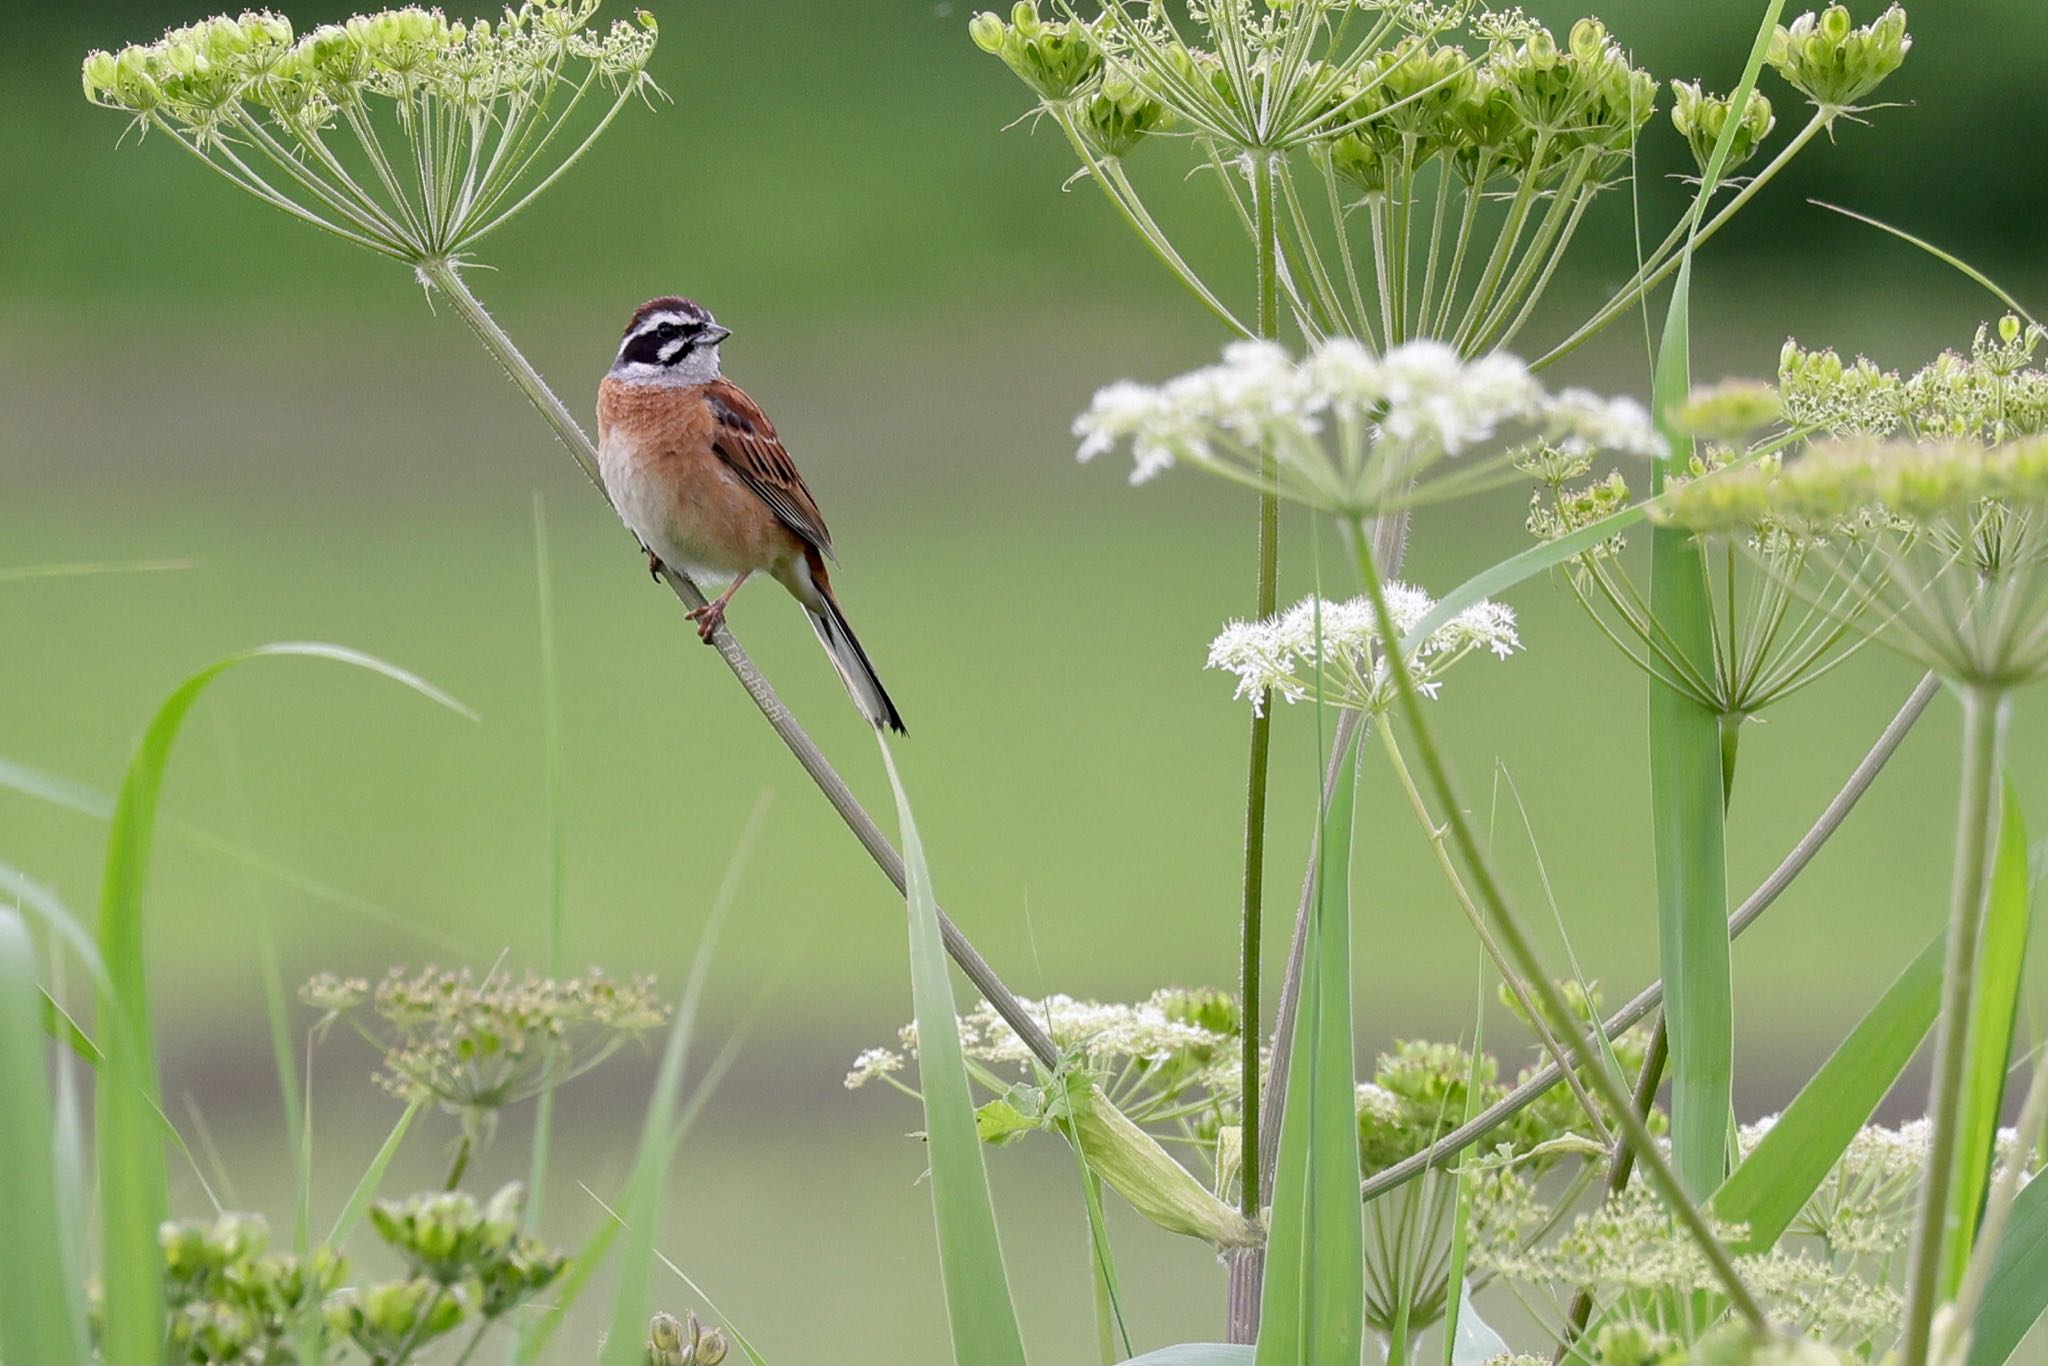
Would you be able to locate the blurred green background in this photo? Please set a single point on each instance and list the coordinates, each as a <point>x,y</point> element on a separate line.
<point>922,309</point>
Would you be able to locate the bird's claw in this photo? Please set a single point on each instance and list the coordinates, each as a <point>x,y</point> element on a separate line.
<point>709,618</point>
<point>654,565</point>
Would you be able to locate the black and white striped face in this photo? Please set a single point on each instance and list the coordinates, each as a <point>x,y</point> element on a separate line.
<point>670,341</point>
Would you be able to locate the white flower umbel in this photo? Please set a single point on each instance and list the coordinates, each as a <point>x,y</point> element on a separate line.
<point>1331,650</point>
<point>1349,431</point>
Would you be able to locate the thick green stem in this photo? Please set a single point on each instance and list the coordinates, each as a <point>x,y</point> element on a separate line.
<point>1938,1219</point>
<point>443,276</point>
<point>1605,1084</point>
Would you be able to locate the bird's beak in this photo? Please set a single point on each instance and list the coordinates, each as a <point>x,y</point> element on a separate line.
<point>714,334</point>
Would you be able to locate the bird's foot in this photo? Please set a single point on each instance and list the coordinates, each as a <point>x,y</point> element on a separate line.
<point>654,565</point>
<point>709,618</point>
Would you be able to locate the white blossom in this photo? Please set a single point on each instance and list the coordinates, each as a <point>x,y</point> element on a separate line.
<point>1347,430</point>
<point>1331,648</point>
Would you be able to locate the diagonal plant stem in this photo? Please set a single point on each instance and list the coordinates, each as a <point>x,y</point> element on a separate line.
<point>1484,882</point>
<point>444,276</point>
<point>1464,1136</point>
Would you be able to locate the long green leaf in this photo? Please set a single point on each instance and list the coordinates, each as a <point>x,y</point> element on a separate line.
<point>2017,1292</point>
<point>1312,1308</point>
<point>978,1304</point>
<point>1687,783</point>
<point>372,1177</point>
<point>1516,568</point>
<point>558,900</point>
<point>662,1130</point>
<point>134,1186</point>
<point>1949,259</point>
<point>36,1303</point>
<point>2001,959</point>
<point>1783,1171</point>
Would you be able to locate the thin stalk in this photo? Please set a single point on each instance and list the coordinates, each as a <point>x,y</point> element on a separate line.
<point>1661,1177</point>
<point>1247,1270</point>
<point>443,276</point>
<point>1937,1220</point>
<point>1647,1000</point>
<point>1648,277</point>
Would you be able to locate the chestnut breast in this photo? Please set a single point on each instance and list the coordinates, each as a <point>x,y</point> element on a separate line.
<point>654,449</point>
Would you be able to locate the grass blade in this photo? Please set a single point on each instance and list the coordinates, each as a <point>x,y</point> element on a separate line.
<point>1312,1309</point>
<point>372,1177</point>
<point>979,1309</point>
<point>134,1185</point>
<point>2002,960</point>
<point>1784,1170</point>
<point>37,1322</point>
<point>662,1130</point>
<point>558,901</point>
<point>2017,1293</point>
<point>22,573</point>
<point>1949,259</point>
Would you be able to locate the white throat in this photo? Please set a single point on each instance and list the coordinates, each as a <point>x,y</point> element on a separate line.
<point>700,366</point>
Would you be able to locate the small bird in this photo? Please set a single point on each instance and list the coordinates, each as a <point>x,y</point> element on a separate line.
<point>696,471</point>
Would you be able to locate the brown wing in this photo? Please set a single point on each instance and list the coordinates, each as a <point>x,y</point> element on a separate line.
<point>745,439</point>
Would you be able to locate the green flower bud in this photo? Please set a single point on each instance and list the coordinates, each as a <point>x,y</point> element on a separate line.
<point>99,72</point>
<point>1588,39</point>
<point>711,1348</point>
<point>667,1344</point>
<point>1118,116</point>
<point>1701,117</point>
<point>987,31</point>
<point>1834,63</point>
<point>1729,411</point>
<point>226,39</point>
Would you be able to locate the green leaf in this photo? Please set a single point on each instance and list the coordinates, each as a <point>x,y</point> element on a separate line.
<point>2017,1291</point>
<point>1196,1354</point>
<point>133,1184</point>
<point>1313,1304</point>
<point>660,1133</point>
<point>1947,258</point>
<point>978,1305</point>
<point>372,1177</point>
<point>1516,568</point>
<point>1687,780</point>
<point>1784,1170</point>
<point>37,1322</point>
<point>2001,960</point>
<point>539,1165</point>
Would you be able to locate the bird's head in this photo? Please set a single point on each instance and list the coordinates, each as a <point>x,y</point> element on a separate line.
<point>670,341</point>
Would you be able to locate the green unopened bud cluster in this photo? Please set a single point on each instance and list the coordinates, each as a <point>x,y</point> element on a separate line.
<point>1064,61</point>
<point>446,1238</point>
<point>230,1299</point>
<point>1995,393</point>
<point>1700,118</point>
<point>1834,63</point>
<point>452,116</point>
<point>685,1341</point>
<point>195,74</point>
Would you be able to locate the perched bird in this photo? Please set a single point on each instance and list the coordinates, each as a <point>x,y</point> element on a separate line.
<point>696,471</point>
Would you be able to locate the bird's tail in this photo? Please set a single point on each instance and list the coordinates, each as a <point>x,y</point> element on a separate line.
<point>840,643</point>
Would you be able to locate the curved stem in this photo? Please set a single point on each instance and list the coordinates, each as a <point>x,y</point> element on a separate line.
<point>1604,1082</point>
<point>444,277</point>
<point>1647,1000</point>
<point>1938,1221</point>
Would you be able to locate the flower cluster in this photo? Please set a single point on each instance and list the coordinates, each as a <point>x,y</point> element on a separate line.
<point>1651,1288</point>
<point>233,1303</point>
<point>1333,652</point>
<point>230,1300</point>
<point>1175,1030</point>
<point>1994,394</point>
<point>1831,61</point>
<point>1345,430</point>
<point>1700,118</point>
<point>476,1047</point>
<point>685,1341</point>
<point>401,130</point>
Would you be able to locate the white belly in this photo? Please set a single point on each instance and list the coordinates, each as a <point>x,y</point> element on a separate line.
<point>660,514</point>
